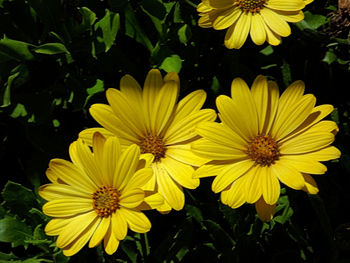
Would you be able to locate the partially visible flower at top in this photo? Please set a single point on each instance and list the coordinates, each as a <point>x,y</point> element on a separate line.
<point>96,196</point>
<point>152,118</point>
<point>264,20</point>
<point>264,139</point>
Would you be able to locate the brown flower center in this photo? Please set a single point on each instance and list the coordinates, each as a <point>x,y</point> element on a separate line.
<point>263,150</point>
<point>105,201</point>
<point>252,6</point>
<point>153,144</point>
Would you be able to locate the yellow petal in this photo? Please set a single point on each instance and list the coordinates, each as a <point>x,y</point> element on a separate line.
<point>310,185</point>
<point>111,153</point>
<point>317,114</point>
<point>87,134</point>
<point>264,210</point>
<point>131,198</point>
<point>80,240</point>
<point>208,170</point>
<point>152,201</point>
<point>288,175</point>
<point>270,186</point>
<point>294,5</point>
<point>105,116</point>
<point>67,207</point>
<point>111,243</point>
<point>231,116</point>
<point>139,179</point>
<point>275,22</point>
<point>220,3</point>
<point>126,166</point>
<point>136,220</point>
<point>289,119</point>
<point>76,227</point>
<point>271,37</point>
<point>163,106</point>
<point>325,154</point>
<point>257,29</point>
<point>55,191</point>
<point>221,134</point>
<point>185,129</point>
<point>273,97</point>
<point>184,154</point>
<point>229,174</point>
<point>214,151</point>
<point>226,18</point>
<point>291,16</point>
<point>119,225</point>
<point>253,184</point>
<point>180,173</point>
<point>169,189</point>
<point>191,103</point>
<point>72,175</point>
<point>235,196</point>
<point>237,34</point>
<point>56,225</point>
<point>100,232</point>
<point>304,164</point>
<point>260,95</point>
<point>123,108</point>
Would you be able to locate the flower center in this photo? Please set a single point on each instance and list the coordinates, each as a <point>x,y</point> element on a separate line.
<point>253,6</point>
<point>153,144</point>
<point>263,150</point>
<point>105,201</point>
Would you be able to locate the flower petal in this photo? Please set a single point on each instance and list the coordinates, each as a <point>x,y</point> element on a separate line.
<point>237,34</point>
<point>105,116</point>
<point>184,129</point>
<point>288,175</point>
<point>55,191</point>
<point>208,170</point>
<point>253,184</point>
<point>226,18</point>
<point>131,198</point>
<point>304,164</point>
<point>119,225</point>
<point>275,22</point>
<point>100,232</point>
<point>229,174</point>
<point>184,154</point>
<point>87,134</point>
<point>264,210</point>
<point>180,173</point>
<point>168,188</point>
<point>325,154</point>
<point>310,185</point>
<point>270,186</point>
<point>257,29</point>
<point>294,5</point>
<point>214,151</point>
<point>235,195</point>
<point>76,227</point>
<point>110,242</point>
<point>136,220</point>
<point>56,225</point>
<point>67,207</point>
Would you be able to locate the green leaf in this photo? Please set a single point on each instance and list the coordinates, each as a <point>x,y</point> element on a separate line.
<point>184,34</point>
<point>51,49</point>
<point>106,29</point>
<point>97,88</point>
<point>267,50</point>
<point>171,64</point>
<point>155,8</point>
<point>133,29</point>
<point>194,212</point>
<point>329,57</point>
<point>14,231</point>
<point>20,206</point>
<point>15,50</point>
<point>312,21</point>
<point>223,241</point>
<point>19,111</point>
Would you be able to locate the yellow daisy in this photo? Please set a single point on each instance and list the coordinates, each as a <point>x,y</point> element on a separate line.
<point>264,139</point>
<point>264,20</point>
<point>152,118</point>
<point>96,196</point>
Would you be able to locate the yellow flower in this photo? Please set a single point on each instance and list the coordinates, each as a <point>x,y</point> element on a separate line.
<point>264,20</point>
<point>96,196</point>
<point>264,139</point>
<point>152,118</point>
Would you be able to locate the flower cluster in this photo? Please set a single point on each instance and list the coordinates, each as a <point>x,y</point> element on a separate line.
<point>151,145</point>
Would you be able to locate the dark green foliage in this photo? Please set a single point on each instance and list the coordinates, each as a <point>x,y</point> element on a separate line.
<point>57,57</point>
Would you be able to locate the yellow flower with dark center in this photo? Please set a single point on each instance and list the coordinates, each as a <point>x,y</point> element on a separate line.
<point>264,20</point>
<point>96,196</point>
<point>152,118</point>
<point>264,139</point>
